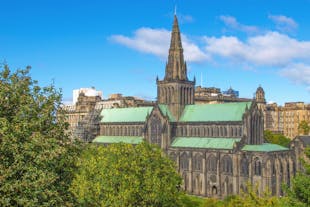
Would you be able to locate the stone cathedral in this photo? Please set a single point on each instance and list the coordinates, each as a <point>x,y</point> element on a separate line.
<point>217,148</point>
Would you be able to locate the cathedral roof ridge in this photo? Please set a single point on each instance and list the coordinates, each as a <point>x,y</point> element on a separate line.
<point>205,142</point>
<point>265,147</point>
<point>130,114</point>
<point>214,112</point>
<point>118,139</point>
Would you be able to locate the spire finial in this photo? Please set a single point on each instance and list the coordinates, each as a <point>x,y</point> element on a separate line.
<point>175,10</point>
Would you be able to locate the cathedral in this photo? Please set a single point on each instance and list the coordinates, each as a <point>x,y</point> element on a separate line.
<point>218,148</point>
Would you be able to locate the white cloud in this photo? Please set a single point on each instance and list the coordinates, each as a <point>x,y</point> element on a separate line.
<point>232,22</point>
<point>153,41</point>
<point>283,23</point>
<point>287,55</point>
<point>157,41</point>
<point>272,49</point>
<point>298,73</point>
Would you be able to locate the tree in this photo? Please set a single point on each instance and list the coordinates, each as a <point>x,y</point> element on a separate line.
<point>279,139</point>
<point>304,127</point>
<point>36,156</point>
<point>299,193</point>
<point>252,199</point>
<point>126,175</point>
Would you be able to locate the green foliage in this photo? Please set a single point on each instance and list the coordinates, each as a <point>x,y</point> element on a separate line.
<point>276,138</point>
<point>193,201</point>
<point>126,175</point>
<point>299,194</point>
<point>252,199</point>
<point>213,202</point>
<point>304,127</point>
<point>36,156</point>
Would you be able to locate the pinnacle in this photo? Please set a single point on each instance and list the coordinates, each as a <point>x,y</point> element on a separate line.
<point>176,69</point>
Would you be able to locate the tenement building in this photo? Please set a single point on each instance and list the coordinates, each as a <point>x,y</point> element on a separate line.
<point>218,148</point>
<point>211,95</point>
<point>285,119</point>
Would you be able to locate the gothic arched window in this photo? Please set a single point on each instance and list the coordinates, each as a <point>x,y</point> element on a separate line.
<point>257,166</point>
<point>227,166</point>
<point>156,128</point>
<point>244,166</point>
<point>198,162</point>
<point>184,162</point>
<point>288,174</point>
<point>273,172</point>
<point>184,131</point>
<point>212,164</point>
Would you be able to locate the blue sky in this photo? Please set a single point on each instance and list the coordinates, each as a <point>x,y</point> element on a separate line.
<point>121,46</point>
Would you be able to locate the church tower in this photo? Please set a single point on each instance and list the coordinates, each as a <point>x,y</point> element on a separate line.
<point>260,95</point>
<point>175,90</point>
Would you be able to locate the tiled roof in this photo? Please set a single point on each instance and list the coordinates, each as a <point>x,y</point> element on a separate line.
<point>133,114</point>
<point>205,142</point>
<point>214,112</point>
<point>118,139</point>
<point>265,147</point>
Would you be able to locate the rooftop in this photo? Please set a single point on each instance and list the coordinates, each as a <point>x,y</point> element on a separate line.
<point>265,147</point>
<point>118,139</point>
<point>133,114</point>
<point>205,142</point>
<point>214,112</point>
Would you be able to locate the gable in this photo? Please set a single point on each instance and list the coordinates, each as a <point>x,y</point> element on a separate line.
<point>133,114</point>
<point>214,112</point>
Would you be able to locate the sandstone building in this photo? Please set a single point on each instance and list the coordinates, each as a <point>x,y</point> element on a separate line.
<point>218,148</point>
<point>213,95</point>
<point>83,114</point>
<point>285,119</point>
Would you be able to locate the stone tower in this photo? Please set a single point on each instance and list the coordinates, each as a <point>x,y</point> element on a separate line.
<point>175,90</point>
<point>260,95</point>
<point>261,103</point>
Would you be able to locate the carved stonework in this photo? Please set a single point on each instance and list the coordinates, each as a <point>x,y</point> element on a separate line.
<point>156,130</point>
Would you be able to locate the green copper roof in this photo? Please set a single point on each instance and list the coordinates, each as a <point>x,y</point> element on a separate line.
<point>165,110</point>
<point>205,142</point>
<point>133,114</point>
<point>118,139</point>
<point>265,147</point>
<point>214,112</point>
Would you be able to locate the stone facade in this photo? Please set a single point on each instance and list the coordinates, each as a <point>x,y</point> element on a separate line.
<point>298,145</point>
<point>84,116</point>
<point>212,95</point>
<point>284,119</point>
<point>215,154</point>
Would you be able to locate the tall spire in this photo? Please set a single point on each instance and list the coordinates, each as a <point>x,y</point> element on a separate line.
<point>176,67</point>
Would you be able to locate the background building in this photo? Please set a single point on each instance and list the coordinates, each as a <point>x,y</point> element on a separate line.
<point>89,92</point>
<point>286,119</point>
<point>283,119</point>
<point>83,115</point>
<point>210,95</point>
